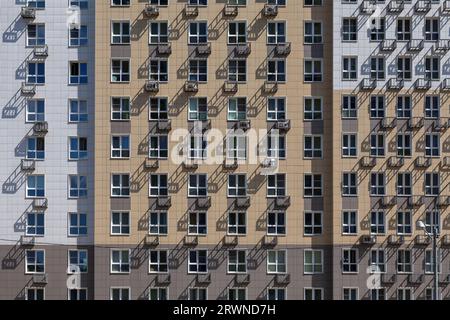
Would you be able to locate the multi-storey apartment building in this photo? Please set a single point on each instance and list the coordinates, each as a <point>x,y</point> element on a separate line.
<point>172,221</point>
<point>390,134</point>
<point>47,154</point>
<point>240,149</point>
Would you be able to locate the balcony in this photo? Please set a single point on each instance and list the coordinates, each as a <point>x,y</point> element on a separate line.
<point>230,165</point>
<point>28,13</point>
<point>28,89</point>
<point>422,162</point>
<point>39,279</point>
<point>283,202</point>
<point>163,280</point>
<point>282,279</point>
<point>422,240</point>
<point>269,241</point>
<point>395,240</point>
<point>164,125</point>
<point>191,87</point>
<point>446,162</point>
<point>422,6</point>
<point>368,162</point>
<point>388,201</point>
<point>388,123</point>
<point>388,45</point>
<point>283,49</point>
<point>440,124</point>
<point>151,10</point>
<point>446,8</point>
<point>204,49</point>
<point>230,241</point>
<point>270,10</point>
<point>27,241</point>
<point>388,278</point>
<point>368,84</point>
<point>269,163</point>
<point>395,84</point>
<point>422,84</point>
<point>243,49</point>
<point>415,201</point>
<point>443,201</point>
<point>243,202</point>
<point>40,128</point>
<point>395,162</point>
<point>242,279</point>
<point>415,123</point>
<point>191,11</point>
<point>446,240</point>
<point>203,279</point>
<point>27,165</point>
<point>368,239</point>
<point>190,240</point>
<point>230,87</point>
<point>367,7</point>
<point>151,86</point>
<point>164,49</point>
<point>164,202</point>
<point>40,204</point>
<point>243,125</point>
<point>204,202</point>
<point>441,47</point>
<point>284,125</point>
<point>270,87</point>
<point>395,6</point>
<point>40,51</point>
<point>151,240</point>
<point>445,85</point>
<point>151,164</point>
<point>188,165</point>
<point>415,279</point>
<point>230,10</point>
<point>414,45</point>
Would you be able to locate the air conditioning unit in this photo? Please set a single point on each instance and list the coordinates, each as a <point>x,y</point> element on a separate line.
<point>191,86</point>
<point>282,279</point>
<point>243,50</point>
<point>230,87</point>
<point>230,241</point>
<point>422,240</point>
<point>270,10</point>
<point>151,10</point>
<point>39,279</point>
<point>368,162</point>
<point>396,240</point>
<point>283,201</point>
<point>269,163</point>
<point>191,11</point>
<point>27,165</point>
<point>28,13</point>
<point>243,124</point>
<point>28,89</point>
<point>151,240</point>
<point>422,162</point>
<point>204,49</point>
<point>283,125</point>
<point>270,241</point>
<point>283,49</point>
<point>190,165</point>
<point>27,240</point>
<point>368,239</point>
<point>40,128</point>
<point>190,240</point>
<point>40,51</point>
<point>40,204</point>
<point>151,164</point>
<point>152,86</point>
<point>230,10</point>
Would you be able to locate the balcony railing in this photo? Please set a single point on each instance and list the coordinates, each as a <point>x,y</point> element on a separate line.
<point>422,6</point>
<point>151,10</point>
<point>395,6</point>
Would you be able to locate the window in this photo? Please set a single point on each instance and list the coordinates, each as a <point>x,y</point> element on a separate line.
<point>237,294</point>
<point>237,261</point>
<point>36,73</point>
<point>36,34</point>
<point>35,261</point>
<point>158,261</point>
<point>120,223</point>
<point>120,70</point>
<point>349,222</point>
<point>312,108</point>
<point>404,294</point>
<point>158,109</point>
<point>432,68</point>
<point>82,4</point>
<point>197,224</point>
<point>37,4</point>
<point>349,68</point>
<point>276,109</point>
<point>378,29</point>
<point>404,29</point>
<point>429,261</point>
<point>377,107</point>
<point>276,185</point>
<point>276,261</point>
<point>35,110</point>
<point>237,185</point>
<point>198,261</point>
<point>312,185</point>
<point>404,184</point>
<point>276,70</point>
<point>120,32</point>
<point>78,148</point>
<point>276,223</point>
<point>120,261</point>
<point>159,70</point>
<point>404,223</point>
<point>198,32</point>
<point>377,184</point>
<point>34,294</point>
<point>158,32</point>
<point>236,146</point>
<point>36,148</point>
<point>35,186</point>
<point>349,29</point>
<point>120,185</point>
<point>77,186</point>
<point>158,293</point>
<point>120,293</point>
<point>276,32</point>
<point>377,261</point>
<point>313,294</point>
<point>378,294</point>
<point>120,147</point>
<point>313,70</point>
<point>198,70</point>
<point>404,67</point>
<point>198,146</point>
<point>276,145</point>
<point>349,260</point>
<point>313,32</point>
<point>78,36</point>
<point>313,223</point>
<point>77,224</point>
<point>377,68</point>
<point>158,185</point>
<point>78,260</point>
<point>404,142</point>
<point>158,146</point>
<point>120,108</point>
<point>432,184</point>
<point>350,294</point>
<point>78,73</point>
<point>404,261</point>
<point>278,294</point>
<point>198,185</point>
<point>432,144</point>
<point>77,294</point>
<point>433,220</point>
<point>158,223</point>
<point>432,28</point>
<point>198,294</point>
<point>349,184</point>
<point>349,142</point>
<point>237,70</point>
<point>198,109</point>
<point>237,32</point>
<point>237,109</point>
<point>35,224</point>
<point>349,107</point>
<point>78,111</point>
<point>313,261</point>
<point>432,106</point>
<point>312,148</point>
<point>237,223</point>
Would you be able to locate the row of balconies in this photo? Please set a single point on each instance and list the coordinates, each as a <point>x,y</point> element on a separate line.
<point>395,84</point>
<point>396,162</point>
<point>413,279</point>
<point>415,46</point>
<point>229,10</point>
<point>397,6</point>
<point>395,240</point>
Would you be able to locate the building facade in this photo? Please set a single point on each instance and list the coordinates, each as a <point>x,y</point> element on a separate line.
<point>239,149</point>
